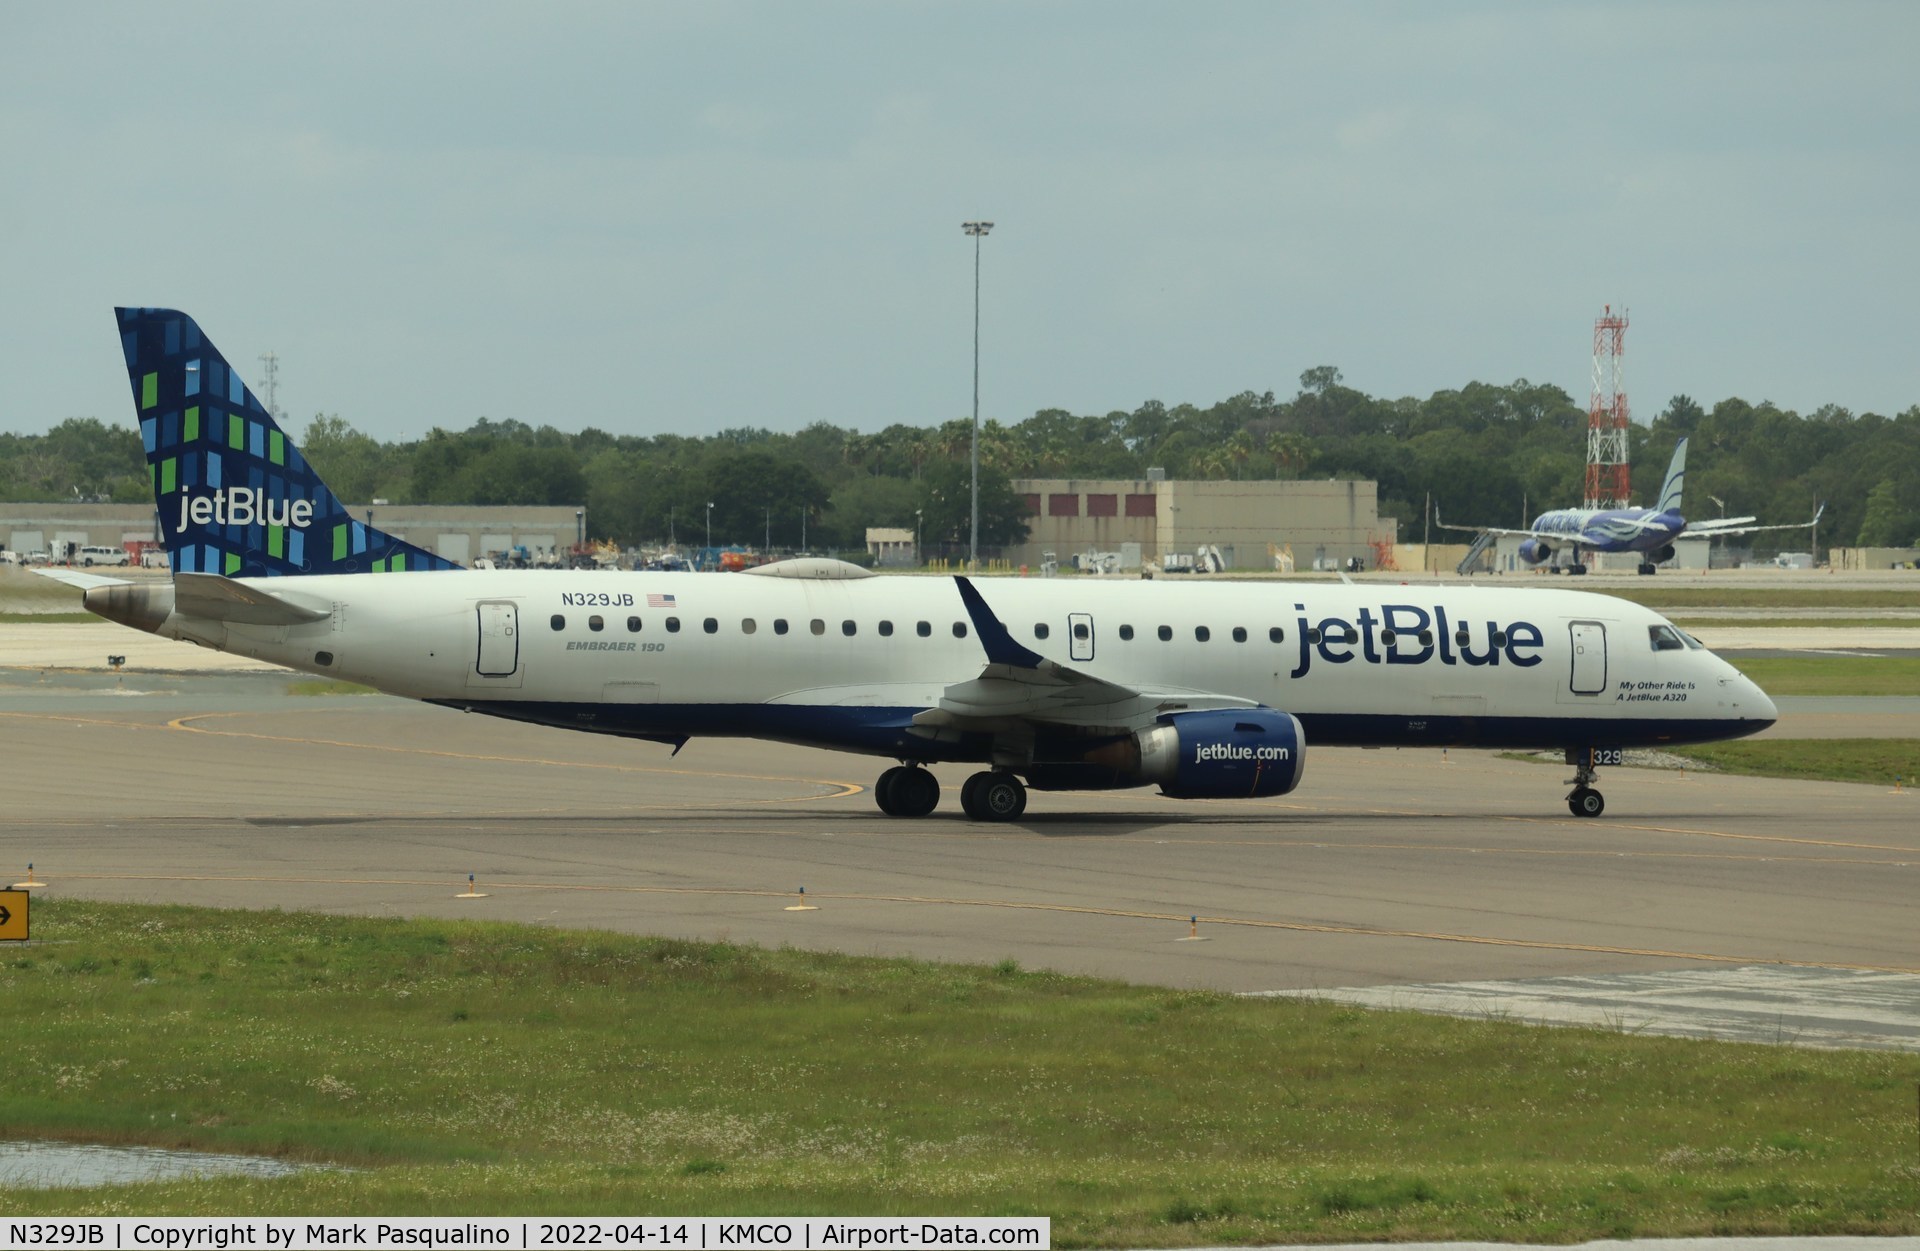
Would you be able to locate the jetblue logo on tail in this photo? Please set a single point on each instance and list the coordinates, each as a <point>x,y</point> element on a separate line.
<point>243,506</point>
<point>233,495</point>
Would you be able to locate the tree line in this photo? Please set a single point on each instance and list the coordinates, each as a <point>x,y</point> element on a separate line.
<point>1485,453</point>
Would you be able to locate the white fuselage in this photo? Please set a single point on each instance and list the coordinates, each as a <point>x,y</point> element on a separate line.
<point>847,663</point>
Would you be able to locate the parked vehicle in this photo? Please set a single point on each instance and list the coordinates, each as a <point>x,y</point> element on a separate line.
<point>92,555</point>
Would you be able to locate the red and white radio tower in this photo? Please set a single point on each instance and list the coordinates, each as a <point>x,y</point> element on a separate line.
<point>1607,470</point>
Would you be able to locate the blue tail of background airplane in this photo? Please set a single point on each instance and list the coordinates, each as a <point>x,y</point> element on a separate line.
<point>1676,479</point>
<point>234,495</point>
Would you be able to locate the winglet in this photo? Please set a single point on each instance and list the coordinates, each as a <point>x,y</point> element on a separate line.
<point>994,636</point>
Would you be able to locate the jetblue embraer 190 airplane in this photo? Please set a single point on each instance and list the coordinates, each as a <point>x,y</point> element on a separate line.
<point>1207,690</point>
<point>1650,531</point>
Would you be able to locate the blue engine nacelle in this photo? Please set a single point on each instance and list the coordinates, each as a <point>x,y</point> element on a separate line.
<point>1233,753</point>
<point>1533,551</point>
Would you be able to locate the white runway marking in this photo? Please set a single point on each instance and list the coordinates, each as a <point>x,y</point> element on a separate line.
<point>1762,1003</point>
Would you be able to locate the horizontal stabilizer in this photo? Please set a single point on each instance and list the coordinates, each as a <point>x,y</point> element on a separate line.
<point>215,598</point>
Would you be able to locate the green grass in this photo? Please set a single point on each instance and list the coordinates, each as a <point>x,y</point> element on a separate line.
<point>328,686</point>
<point>1879,760</point>
<point>464,1068</point>
<point>1831,675</point>
<point>1794,623</point>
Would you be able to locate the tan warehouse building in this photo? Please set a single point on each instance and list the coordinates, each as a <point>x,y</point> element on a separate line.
<point>1320,524</point>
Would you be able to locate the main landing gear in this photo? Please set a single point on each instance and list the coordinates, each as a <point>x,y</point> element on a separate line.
<point>1583,800</point>
<point>907,791</point>
<point>993,796</point>
<point>910,791</point>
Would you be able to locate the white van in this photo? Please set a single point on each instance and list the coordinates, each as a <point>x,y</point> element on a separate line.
<point>91,556</point>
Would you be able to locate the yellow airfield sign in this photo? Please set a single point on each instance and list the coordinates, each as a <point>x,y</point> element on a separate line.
<point>13,916</point>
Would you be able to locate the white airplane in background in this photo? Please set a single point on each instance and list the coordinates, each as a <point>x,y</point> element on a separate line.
<point>1208,691</point>
<point>1651,532</point>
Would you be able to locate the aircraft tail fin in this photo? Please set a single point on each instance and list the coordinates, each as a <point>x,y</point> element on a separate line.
<point>1676,478</point>
<point>234,495</point>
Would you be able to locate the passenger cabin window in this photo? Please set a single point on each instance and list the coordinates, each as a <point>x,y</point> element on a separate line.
<point>848,628</point>
<point>1126,634</point>
<point>886,629</point>
<point>1201,634</point>
<point>596,623</point>
<point>1276,635</point>
<point>633,625</point>
<point>1040,630</point>
<point>1166,634</point>
<point>1239,634</point>
<point>779,625</point>
<point>1426,638</point>
<point>924,629</point>
<point>1313,634</point>
<point>1665,639</point>
<point>558,622</point>
<point>673,625</point>
<point>747,625</point>
<point>959,629</point>
<point>711,625</point>
<point>1387,638</point>
<point>817,626</point>
<point>1081,630</point>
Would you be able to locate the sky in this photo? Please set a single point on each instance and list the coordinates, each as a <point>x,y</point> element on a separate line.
<point>683,218</point>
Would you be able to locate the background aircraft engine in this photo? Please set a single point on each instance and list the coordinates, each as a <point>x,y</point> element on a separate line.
<point>1228,754</point>
<point>1533,551</point>
<point>1664,554</point>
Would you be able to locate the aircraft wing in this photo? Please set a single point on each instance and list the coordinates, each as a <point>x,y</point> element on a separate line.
<point>1018,685</point>
<point>1721,527</point>
<point>1560,536</point>
<point>74,578</point>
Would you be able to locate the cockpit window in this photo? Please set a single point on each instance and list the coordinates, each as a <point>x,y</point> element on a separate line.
<point>1665,638</point>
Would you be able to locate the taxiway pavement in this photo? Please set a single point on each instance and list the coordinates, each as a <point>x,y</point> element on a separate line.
<point>1386,869</point>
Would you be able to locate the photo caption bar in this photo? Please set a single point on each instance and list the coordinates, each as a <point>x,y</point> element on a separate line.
<point>405,1233</point>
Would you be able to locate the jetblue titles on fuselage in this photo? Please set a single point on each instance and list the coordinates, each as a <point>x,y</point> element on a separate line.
<point>1411,635</point>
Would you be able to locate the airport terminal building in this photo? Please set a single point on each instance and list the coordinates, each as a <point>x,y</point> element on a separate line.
<point>462,533</point>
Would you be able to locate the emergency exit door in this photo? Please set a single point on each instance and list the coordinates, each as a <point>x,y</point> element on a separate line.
<point>1080,634</point>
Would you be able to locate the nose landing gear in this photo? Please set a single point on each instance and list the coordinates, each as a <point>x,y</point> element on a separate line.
<point>1583,800</point>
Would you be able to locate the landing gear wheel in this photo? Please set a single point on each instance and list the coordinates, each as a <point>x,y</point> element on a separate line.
<point>993,797</point>
<point>907,791</point>
<point>1586,802</point>
<point>883,791</point>
<point>1648,568</point>
<point>1576,570</point>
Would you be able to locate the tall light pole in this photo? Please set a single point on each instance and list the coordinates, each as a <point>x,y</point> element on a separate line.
<point>709,525</point>
<point>978,230</point>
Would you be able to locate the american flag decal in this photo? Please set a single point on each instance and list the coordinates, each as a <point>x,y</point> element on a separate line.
<point>660,601</point>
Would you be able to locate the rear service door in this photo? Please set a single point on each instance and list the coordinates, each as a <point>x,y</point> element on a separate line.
<point>499,654</point>
<point>1589,657</point>
<point>1080,631</point>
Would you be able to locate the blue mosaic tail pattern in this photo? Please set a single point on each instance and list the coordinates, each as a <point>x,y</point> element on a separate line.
<point>233,493</point>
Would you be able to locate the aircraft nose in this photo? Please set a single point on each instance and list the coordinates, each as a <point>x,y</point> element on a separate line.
<point>1753,703</point>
